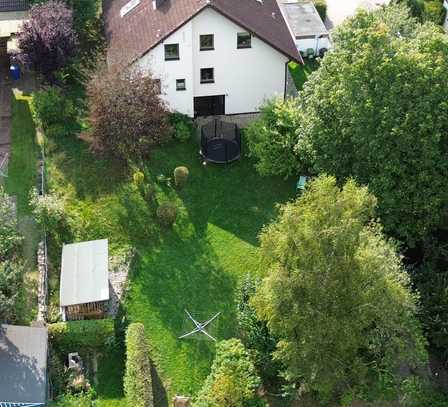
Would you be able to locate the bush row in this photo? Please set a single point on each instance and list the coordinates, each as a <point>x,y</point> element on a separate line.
<point>137,380</point>
<point>78,336</point>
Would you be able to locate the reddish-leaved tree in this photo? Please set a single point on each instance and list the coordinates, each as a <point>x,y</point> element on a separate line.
<point>47,41</point>
<point>127,116</point>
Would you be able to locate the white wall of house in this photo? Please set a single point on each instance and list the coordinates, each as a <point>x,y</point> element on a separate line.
<point>445,23</point>
<point>246,76</point>
<point>316,44</point>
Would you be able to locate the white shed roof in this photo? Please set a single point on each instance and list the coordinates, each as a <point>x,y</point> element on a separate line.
<point>302,17</point>
<point>84,273</point>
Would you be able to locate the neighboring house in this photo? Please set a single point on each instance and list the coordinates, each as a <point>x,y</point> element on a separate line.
<point>84,291</point>
<point>23,366</point>
<point>211,56</point>
<point>309,32</point>
<point>12,14</point>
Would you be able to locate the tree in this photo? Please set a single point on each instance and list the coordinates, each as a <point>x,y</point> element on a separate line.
<point>255,335</point>
<point>127,115</point>
<point>137,379</point>
<point>10,238</point>
<point>47,40</point>
<point>11,279</point>
<point>232,381</point>
<point>376,111</point>
<point>335,293</point>
<point>272,137</point>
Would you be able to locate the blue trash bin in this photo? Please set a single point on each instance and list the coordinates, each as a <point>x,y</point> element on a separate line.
<point>15,72</point>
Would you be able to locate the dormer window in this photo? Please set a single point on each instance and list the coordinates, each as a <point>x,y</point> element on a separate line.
<point>171,52</point>
<point>244,40</point>
<point>207,42</point>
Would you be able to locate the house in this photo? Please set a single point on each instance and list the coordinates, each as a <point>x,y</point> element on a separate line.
<point>23,366</point>
<point>211,56</point>
<point>445,22</point>
<point>310,34</point>
<point>12,14</point>
<point>84,289</point>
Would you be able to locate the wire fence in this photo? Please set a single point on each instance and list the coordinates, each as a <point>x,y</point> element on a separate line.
<point>42,252</point>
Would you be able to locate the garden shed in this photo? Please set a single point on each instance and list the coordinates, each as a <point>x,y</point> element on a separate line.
<point>23,366</point>
<point>84,290</point>
<point>308,29</point>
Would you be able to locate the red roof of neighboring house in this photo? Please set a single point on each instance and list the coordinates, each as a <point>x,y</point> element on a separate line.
<point>140,30</point>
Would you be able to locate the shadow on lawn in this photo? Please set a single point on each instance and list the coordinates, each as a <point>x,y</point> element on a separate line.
<point>179,276</point>
<point>91,176</point>
<point>234,197</point>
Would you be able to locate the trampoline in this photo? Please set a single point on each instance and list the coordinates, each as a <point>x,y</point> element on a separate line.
<point>220,142</point>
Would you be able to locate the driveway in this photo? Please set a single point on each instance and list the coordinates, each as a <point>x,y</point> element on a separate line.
<point>339,10</point>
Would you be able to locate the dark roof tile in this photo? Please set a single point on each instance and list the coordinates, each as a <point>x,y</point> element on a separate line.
<point>141,29</point>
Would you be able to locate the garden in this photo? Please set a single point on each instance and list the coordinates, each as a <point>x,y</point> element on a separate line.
<point>284,271</point>
<point>196,265</point>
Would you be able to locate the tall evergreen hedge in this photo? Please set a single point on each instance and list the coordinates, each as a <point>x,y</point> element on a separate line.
<point>137,379</point>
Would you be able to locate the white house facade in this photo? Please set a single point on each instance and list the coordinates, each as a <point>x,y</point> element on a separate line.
<point>240,78</point>
<point>217,60</point>
<point>445,23</point>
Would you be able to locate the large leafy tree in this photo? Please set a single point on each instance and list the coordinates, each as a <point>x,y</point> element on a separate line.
<point>272,137</point>
<point>377,111</point>
<point>127,115</point>
<point>233,380</point>
<point>335,293</point>
<point>47,40</point>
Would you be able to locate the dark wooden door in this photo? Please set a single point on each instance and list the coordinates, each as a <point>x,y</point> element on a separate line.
<point>210,105</point>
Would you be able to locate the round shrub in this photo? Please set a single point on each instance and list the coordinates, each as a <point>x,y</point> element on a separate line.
<point>183,126</point>
<point>138,178</point>
<point>181,176</point>
<point>51,108</point>
<point>167,213</point>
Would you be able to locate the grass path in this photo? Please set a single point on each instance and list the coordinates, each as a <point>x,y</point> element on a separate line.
<point>195,266</point>
<point>22,177</point>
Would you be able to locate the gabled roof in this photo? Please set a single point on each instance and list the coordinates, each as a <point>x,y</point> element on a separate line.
<point>23,365</point>
<point>84,273</point>
<point>141,29</point>
<point>14,5</point>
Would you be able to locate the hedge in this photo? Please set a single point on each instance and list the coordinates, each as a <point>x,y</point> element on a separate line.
<point>84,336</point>
<point>137,379</point>
<point>321,7</point>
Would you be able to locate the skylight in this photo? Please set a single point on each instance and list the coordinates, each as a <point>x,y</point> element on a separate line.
<point>129,7</point>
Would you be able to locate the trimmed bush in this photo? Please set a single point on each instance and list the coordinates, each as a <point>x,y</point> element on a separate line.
<point>233,380</point>
<point>183,126</point>
<point>434,11</point>
<point>137,379</point>
<point>321,7</point>
<point>167,213</point>
<point>181,176</point>
<point>81,336</point>
<point>53,111</point>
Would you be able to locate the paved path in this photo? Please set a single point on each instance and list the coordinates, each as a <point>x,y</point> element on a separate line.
<point>5,110</point>
<point>339,10</point>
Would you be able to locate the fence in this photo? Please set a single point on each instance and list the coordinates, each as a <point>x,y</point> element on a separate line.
<point>42,253</point>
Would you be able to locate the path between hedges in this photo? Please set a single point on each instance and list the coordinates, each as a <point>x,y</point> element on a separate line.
<point>5,109</point>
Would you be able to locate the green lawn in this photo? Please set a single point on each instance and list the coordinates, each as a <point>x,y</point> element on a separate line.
<point>195,266</point>
<point>301,73</point>
<point>22,177</point>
